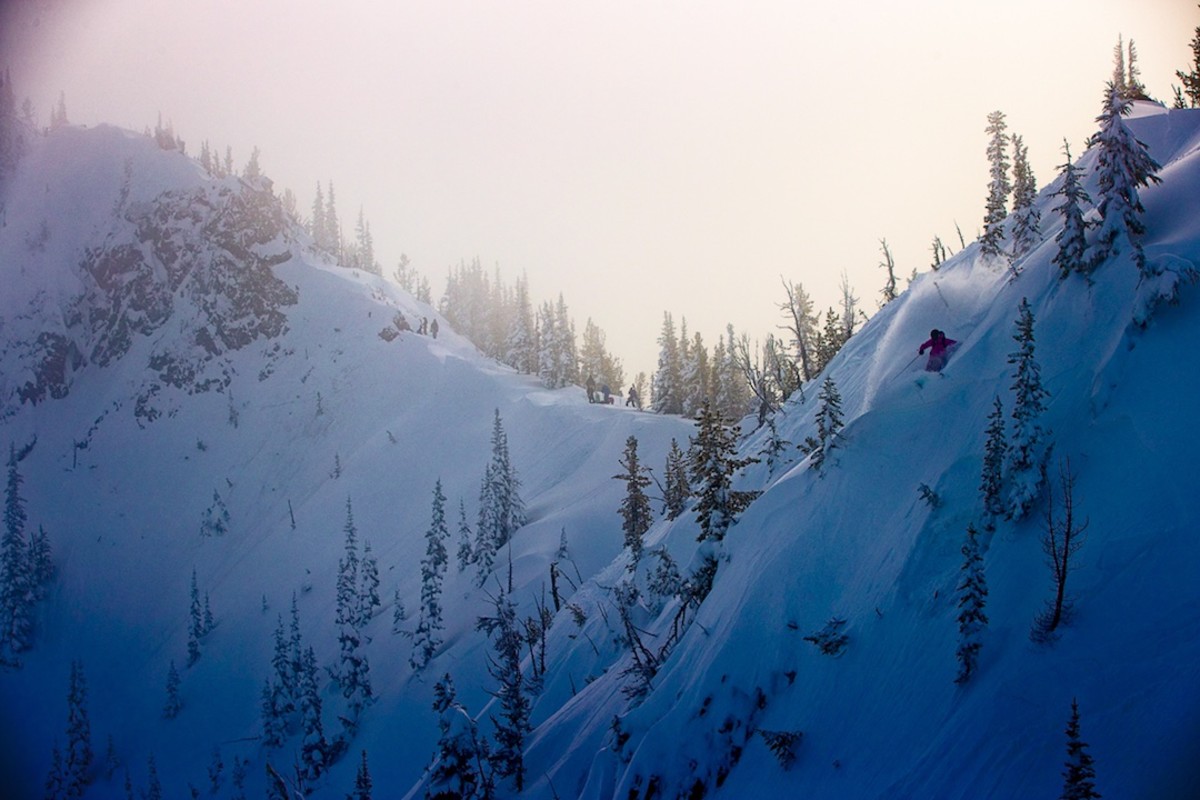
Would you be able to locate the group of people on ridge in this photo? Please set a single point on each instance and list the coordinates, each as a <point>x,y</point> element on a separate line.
<point>606,394</point>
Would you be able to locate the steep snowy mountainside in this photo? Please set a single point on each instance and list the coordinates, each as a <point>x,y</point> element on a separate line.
<point>885,718</point>
<point>107,251</point>
<point>259,380</point>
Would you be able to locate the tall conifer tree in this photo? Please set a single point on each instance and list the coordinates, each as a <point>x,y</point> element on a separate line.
<point>999,186</point>
<point>829,424</point>
<point>635,508</point>
<point>972,597</point>
<point>1079,775</point>
<point>713,462</point>
<point>501,509</point>
<point>79,734</point>
<point>428,636</point>
<point>1122,165</point>
<point>512,722</point>
<point>666,389</point>
<point>1072,239</point>
<point>991,481</point>
<point>16,587</point>
<point>1028,444</point>
<point>1026,218</point>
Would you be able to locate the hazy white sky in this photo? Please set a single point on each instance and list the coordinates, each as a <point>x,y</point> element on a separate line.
<point>637,156</point>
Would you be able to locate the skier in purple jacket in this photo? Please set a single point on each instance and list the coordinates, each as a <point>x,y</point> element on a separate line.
<point>939,347</point>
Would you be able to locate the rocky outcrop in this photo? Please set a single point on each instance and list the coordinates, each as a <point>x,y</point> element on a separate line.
<point>195,262</point>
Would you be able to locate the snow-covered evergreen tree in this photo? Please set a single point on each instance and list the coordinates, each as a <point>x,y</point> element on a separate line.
<point>1118,77</point>
<point>521,342</point>
<point>56,782</point>
<point>972,597</point>
<point>693,378</point>
<point>1134,88</point>
<point>775,447</point>
<point>173,704</point>
<point>717,389</point>
<point>664,580</point>
<point>283,694</point>
<point>399,614</point>
<point>1028,443</point>
<point>79,734</point>
<point>1122,165</point>
<point>295,646</point>
<point>504,665</point>
<point>354,671</point>
<point>558,363</point>
<point>635,507</point>
<point>830,341</point>
<point>274,724</point>
<point>1072,239</point>
<point>347,577</point>
<point>41,563</point>
<point>1079,774</point>
<point>314,748</point>
<point>829,425</point>
<point>215,768</point>
<point>215,520</point>
<point>333,226</point>
<point>727,387</point>
<point>317,226</point>
<point>465,554</point>
<point>195,623</point>
<point>501,510</point>
<point>677,489</point>
<point>998,185</point>
<point>995,450</point>
<point>667,395</point>
<point>11,133</point>
<point>16,589</point>
<point>253,170</point>
<point>365,246</point>
<point>153,784</point>
<point>1026,218</point>
<point>208,622</point>
<point>428,636</point>
<point>460,770</point>
<point>368,586</point>
<point>547,347</point>
<point>712,463</point>
<point>362,781</point>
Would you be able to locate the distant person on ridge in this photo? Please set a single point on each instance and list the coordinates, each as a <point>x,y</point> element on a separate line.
<point>591,389</point>
<point>633,399</point>
<point>939,350</point>
<point>433,328</point>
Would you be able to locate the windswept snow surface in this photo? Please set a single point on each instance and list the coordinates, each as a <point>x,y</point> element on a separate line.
<point>883,719</point>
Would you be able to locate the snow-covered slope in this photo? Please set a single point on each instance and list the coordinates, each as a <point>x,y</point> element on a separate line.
<point>126,464</point>
<point>310,407</point>
<point>885,718</point>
